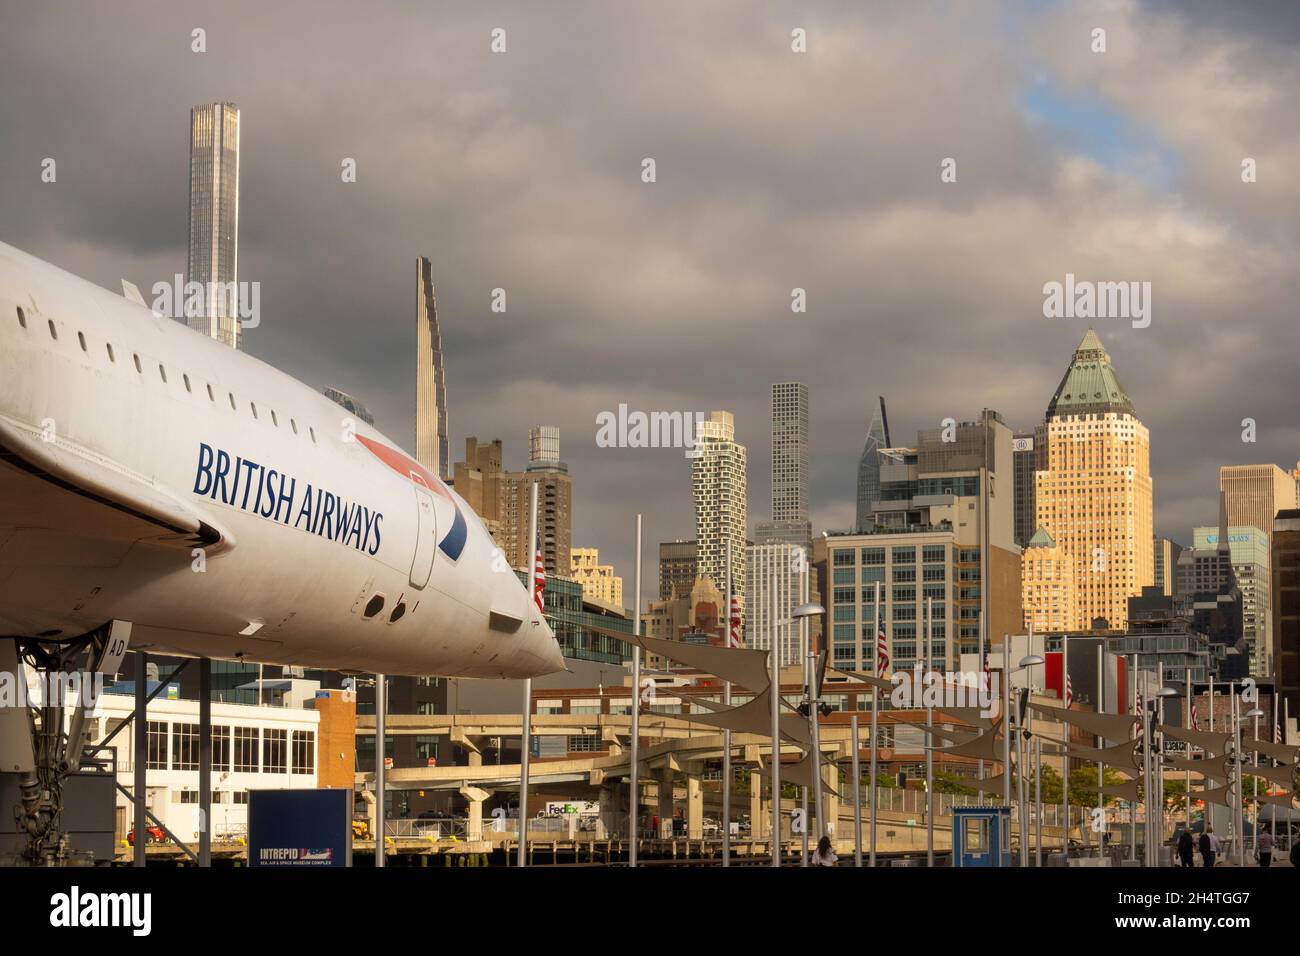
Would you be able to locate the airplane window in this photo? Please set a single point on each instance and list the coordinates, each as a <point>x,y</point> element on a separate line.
<point>211,397</point>
<point>111,356</point>
<point>187,382</point>
<point>162,373</point>
<point>274,420</point>
<point>232,400</point>
<point>22,317</point>
<point>53,334</point>
<point>373,606</point>
<point>313,434</point>
<point>294,425</point>
<point>253,406</point>
<point>398,612</point>
<point>82,339</point>
<point>138,367</point>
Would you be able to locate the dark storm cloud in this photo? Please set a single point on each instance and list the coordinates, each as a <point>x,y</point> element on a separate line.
<point>522,171</point>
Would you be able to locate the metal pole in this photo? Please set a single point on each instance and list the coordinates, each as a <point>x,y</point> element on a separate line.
<point>1239,798</point>
<point>814,700</point>
<point>1006,721</point>
<point>857,792</point>
<point>1022,810</point>
<point>1187,753</point>
<point>205,761</point>
<point>805,651</point>
<point>1132,806</point>
<point>1254,781</point>
<point>1146,781</point>
<point>634,802</point>
<point>774,661</point>
<point>141,757</point>
<point>929,747</point>
<point>726,734</point>
<point>381,707</point>
<point>526,705</point>
<point>1065,749</point>
<point>1101,744</point>
<point>875,712</point>
<point>1038,801</point>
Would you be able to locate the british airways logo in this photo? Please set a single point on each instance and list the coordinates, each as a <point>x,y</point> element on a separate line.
<point>453,543</point>
<point>268,493</point>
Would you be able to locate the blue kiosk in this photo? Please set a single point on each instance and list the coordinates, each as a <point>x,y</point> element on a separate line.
<point>982,836</point>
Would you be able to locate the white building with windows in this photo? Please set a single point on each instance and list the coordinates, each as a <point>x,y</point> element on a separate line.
<point>775,576</point>
<point>253,748</point>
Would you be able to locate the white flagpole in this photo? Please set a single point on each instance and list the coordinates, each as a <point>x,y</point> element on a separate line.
<point>875,712</point>
<point>726,734</point>
<point>857,791</point>
<point>929,747</point>
<point>634,801</point>
<point>1065,749</point>
<point>774,657</point>
<point>1101,742</point>
<point>526,735</point>
<point>1187,754</point>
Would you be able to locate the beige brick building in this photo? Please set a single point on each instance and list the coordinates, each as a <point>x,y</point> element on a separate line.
<point>1093,494</point>
<point>599,582</point>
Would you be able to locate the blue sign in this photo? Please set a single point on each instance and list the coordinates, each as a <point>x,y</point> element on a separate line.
<point>300,827</point>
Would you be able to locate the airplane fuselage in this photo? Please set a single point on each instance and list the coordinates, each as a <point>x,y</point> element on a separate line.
<point>151,474</point>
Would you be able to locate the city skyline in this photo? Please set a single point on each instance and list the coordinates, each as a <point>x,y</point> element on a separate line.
<point>932,298</point>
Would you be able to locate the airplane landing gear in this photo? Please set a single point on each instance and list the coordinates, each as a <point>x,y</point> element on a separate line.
<point>69,678</point>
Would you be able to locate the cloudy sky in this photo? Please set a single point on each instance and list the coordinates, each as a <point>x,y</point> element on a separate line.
<point>522,170</point>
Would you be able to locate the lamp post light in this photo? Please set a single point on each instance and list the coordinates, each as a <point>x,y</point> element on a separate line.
<point>1253,714</point>
<point>1155,776</point>
<point>1022,785</point>
<point>812,700</point>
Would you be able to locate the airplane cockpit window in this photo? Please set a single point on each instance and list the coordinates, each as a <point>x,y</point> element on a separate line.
<point>22,317</point>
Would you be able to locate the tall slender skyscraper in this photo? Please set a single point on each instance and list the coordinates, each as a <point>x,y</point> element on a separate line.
<point>214,220</point>
<point>869,465</point>
<point>789,522</point>
<point>430,379</point>
<point>719,485</point>
<point>1094,495</point>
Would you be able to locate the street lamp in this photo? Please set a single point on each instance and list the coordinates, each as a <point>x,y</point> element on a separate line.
<point>812,701</point>
<point>1154,774</point>
<point>1022,791</point>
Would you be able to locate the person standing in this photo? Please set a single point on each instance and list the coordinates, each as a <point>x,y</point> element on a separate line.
<point>1185,845</point>
<point>1209,846</point>
<point>1264,848</point>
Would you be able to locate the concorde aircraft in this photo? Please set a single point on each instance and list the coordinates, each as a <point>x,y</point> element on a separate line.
<point>151,475</point>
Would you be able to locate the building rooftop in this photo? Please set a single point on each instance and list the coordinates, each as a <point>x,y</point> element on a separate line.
<point>1090,386</point>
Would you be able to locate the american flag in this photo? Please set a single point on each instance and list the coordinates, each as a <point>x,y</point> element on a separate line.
<point>882,647</point>
<point>986,665</point>
<point>539,580</point>
<point>1277,731</point>
<point>733,631</point>
<point>1137,704</point>
<point>1069,691</point>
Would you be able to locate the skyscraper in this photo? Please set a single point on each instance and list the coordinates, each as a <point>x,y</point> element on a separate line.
<point>430,378</point>
<point>554,506</point>
<point>774,588</point>
<point>1284,565</point>
<point>678,568</point>
<point>1255,494</point>
<point>719,485</point>
<point>213,260</point>
<point>1166,554</point>
<point>1093,496</point>
<point>869,465</point>
<point>1025,464</point>
<point>789,468</point>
